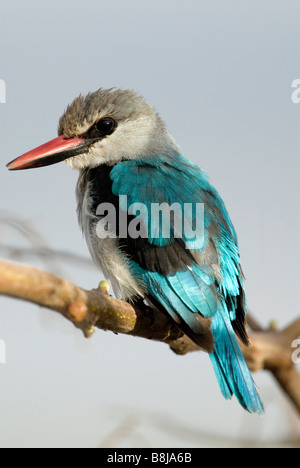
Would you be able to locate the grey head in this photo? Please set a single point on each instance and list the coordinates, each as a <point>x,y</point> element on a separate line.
<point>119,124</point>
<point>103,127</point>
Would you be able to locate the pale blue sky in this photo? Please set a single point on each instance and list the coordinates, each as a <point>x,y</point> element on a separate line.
<point>220,75</point>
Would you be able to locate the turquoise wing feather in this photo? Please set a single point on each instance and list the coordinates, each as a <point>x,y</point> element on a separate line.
<point>196,279</point>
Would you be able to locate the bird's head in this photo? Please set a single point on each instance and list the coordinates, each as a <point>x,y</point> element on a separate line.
<point>103,127</point>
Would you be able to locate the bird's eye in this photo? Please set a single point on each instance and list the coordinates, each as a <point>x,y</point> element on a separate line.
<point>106,126</point>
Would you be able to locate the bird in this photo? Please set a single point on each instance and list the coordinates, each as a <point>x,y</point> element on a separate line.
<point>128,160</point>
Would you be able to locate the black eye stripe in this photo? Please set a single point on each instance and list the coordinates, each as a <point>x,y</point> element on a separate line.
<point>105,126</point>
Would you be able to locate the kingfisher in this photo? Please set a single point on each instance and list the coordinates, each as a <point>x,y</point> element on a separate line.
<point>128,160</point>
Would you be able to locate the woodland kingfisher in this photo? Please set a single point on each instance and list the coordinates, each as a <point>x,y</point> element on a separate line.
<point>127,158</point>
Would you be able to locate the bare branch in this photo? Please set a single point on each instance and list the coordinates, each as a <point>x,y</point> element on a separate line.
<point>270,349</point>
<point>101,310</point>
<point>19,253</point>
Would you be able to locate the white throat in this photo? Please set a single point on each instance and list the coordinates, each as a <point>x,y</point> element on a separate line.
<point>133,139</point>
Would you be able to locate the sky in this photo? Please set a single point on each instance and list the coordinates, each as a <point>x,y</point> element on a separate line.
<point>220,74</point>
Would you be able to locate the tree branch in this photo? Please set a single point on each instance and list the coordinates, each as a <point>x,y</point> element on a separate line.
<point>86,309</point>
<point>270,349</point>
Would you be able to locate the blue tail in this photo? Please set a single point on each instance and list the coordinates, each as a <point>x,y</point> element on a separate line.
<point>230,367</point>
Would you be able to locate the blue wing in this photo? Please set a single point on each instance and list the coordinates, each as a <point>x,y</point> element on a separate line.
<point>197,279</point>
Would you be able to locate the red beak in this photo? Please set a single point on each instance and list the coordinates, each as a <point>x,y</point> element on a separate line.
<point>54,151</point>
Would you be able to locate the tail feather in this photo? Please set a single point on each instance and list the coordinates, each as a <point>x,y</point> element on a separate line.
<point>225,389</point>
<point>230,366</point>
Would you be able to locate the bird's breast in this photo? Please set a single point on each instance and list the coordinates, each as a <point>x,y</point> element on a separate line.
<point>94,189</point>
